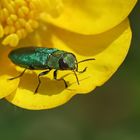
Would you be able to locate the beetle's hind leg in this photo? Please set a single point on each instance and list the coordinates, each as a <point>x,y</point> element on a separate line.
<point>55,77</point>
<point>39,81</point>
<point>20,75</point>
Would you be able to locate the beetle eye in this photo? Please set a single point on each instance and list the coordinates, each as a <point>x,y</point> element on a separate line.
<point>62,64</point>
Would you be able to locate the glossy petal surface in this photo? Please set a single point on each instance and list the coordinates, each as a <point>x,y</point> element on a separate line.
<point>109,49</point>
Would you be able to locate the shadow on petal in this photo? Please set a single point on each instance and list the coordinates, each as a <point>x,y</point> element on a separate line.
<point>47,87</point>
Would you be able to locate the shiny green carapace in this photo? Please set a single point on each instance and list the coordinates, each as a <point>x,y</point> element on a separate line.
<point>41,58</point>
<point>36,58</point>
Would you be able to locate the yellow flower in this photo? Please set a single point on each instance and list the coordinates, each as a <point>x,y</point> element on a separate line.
<point>88,28</point>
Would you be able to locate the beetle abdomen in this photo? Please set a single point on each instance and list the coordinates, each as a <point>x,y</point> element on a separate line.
<point>31,57</point>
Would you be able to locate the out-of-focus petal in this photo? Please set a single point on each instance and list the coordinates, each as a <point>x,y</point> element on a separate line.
<point>90,16</point>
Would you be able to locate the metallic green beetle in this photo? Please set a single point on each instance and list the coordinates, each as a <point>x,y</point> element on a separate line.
<point>41,58</point>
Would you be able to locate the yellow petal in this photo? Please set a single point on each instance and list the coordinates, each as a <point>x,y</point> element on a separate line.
<point>91,16</point>
<point>6,86</point>
<point>109,49</point>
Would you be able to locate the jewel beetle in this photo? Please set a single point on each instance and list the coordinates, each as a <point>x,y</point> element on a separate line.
<point>42,58</point>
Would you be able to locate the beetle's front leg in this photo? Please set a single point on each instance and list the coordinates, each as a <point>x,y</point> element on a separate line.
<point>55,77</point>
<point>39,81</point>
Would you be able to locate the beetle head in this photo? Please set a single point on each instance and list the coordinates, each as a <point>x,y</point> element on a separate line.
<point>68,62</point>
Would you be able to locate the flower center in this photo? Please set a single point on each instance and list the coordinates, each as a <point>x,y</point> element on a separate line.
<point>18,18</point>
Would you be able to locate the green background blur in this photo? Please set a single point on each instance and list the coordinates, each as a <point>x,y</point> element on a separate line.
<point>111,112</point>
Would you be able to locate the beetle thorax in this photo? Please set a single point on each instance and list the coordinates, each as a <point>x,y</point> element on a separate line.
<point>62,61</point>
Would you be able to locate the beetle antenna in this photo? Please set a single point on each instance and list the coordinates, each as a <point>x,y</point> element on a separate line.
<point>76,77</point>
<point>86,60</point>
<point>81,62</point>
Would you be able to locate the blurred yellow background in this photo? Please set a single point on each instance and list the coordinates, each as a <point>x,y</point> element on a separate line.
<point>111,112</point>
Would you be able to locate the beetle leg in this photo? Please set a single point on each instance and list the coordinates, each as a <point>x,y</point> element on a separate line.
<point>55,77</point>
<point>55,74</point>
<point>39,81</point>
<point>82,70</point>
<point>20,75</point>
